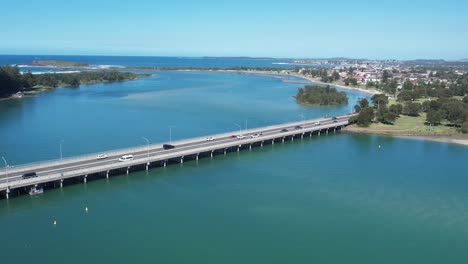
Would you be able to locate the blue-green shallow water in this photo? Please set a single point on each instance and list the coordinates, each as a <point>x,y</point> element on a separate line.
<point>333,199</point>
<point>330,199</point>
<point>100,117</point>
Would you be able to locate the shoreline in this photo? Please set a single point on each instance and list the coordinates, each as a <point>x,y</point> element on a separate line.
<point>266,73</point>
<point>458,139</point>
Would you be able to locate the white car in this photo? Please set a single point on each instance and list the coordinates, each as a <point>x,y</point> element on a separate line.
<point>101,156</point>
<point>209,139</point>
<point>317,123</point>
<point>126,157</point>
<point>256,135</point>
<point>240,136</point>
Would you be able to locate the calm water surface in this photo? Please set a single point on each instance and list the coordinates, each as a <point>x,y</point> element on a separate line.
<point>330,199</point>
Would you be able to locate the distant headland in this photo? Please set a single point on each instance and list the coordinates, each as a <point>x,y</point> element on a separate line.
<point>58,63</point>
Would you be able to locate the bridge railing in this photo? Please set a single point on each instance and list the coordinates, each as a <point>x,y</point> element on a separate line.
<point>119,152</point>
<point>159,157</point>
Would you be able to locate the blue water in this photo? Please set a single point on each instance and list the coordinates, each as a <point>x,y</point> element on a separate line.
<point>340,198</point>
<point>194,62</point>
<point>101,117</point>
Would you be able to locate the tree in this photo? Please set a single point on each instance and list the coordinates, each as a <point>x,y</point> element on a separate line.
<point>412,109</point>
<point>434,117</point>
<point>456,112</point>
<point>397,109</point>
<point>385,76</point>
<point>363,103</point>
<point>336,75</point>
<point>465,99</point>
<point>357,108</point>
<point>10,80</point>
<point>464,127</point>
<point>408,86</point>
<point>365,117</point>
<point>379,100</point>
<point>28,80</point>
<point>385,116</point>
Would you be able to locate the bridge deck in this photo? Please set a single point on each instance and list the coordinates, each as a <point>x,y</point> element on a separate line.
<point>57,170</point>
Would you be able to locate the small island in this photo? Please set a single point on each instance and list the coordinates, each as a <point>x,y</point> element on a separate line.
<point>319,95</point>
<point>58,63</point>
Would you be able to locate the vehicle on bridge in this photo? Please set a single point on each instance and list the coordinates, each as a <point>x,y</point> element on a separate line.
<point>284,130</point>
<point>317,124</point>
<point>126,157</point>
<point>168,146</point>
<point>256,135</point>
<point>298,127</point>
<point>29,175</point>
<point>209,138</point>
<point>240,136</point>
<point>101,156</point>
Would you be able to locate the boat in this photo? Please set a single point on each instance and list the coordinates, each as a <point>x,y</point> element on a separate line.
<point>36,190</point>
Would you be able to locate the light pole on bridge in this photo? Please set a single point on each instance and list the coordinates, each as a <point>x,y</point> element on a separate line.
<point>148,149</point>
<point>170,134</point>
<point>6,169</point>
<point>61,148</point>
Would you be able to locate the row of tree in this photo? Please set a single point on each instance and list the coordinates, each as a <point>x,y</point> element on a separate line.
<point>452,110</point>
<point>318,95</point>
<point>12,81</point>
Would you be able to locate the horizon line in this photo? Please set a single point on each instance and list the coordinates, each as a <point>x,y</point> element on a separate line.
<point>244,57</point>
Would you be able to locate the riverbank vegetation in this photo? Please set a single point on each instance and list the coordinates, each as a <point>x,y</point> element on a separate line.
<point>318,95</point>
<point>12,81</point>
<point>433,116</point>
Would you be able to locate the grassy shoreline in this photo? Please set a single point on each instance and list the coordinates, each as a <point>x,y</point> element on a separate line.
<point>415,128</point>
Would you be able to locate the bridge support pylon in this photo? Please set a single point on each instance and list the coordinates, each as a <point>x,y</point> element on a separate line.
<point>225,151</point>
<point>261,144</point>
<point>302,135</point>
<point>282,140</point>
<point>250,147</point>
<point>212,153</point>
<point>181,159</point>
<point>272,141</point>
<point>128,170</point>
<point>319,132</point>
<point>85,177</point>
<point>61,183</point>
<point>147,166</point>
<point>8,193</point>
<point>107,174</point>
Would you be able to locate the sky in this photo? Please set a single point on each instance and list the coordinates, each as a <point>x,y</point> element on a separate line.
<point>294,28</point>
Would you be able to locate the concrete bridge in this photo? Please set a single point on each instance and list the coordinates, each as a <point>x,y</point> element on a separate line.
<point>51,174</point>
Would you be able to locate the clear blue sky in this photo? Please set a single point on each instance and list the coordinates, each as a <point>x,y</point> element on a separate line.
<point>294,28</point>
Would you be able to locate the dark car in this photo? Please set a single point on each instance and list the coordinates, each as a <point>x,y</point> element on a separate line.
<point>298,127</point>
<point>284,130</point>
<point>29,175</point>
<point>168,146</point>
<point>334,118</point>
